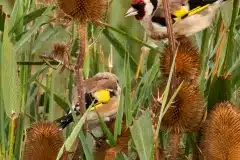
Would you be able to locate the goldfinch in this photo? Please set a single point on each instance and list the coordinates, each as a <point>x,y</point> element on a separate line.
<point>102,93</point>
<point>188,16</point>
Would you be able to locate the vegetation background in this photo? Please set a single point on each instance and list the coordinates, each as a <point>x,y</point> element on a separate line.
<point>32,91</point>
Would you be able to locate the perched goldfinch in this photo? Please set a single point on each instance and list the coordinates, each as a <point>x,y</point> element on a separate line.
<point>188,16</point>
<point>102,93</point>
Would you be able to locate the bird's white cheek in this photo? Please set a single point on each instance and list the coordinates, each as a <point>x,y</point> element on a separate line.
<point>148,9</point>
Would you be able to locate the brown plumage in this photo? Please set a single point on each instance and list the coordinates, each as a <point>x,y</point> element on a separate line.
<point>43,141</point>
<point>187,65</point>
<point>221,133</point>
<point>186,112</point>
<point>84,10</point>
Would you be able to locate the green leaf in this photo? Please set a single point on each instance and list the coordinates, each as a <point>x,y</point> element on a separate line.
<point>128,102</point>
<point>219,91</point>
<point>118,122</point>
<point>16,21</point>
<point>128,36</point>
<point>107,132</point>
<point>60,101</point>
<point>40,21</point>
<point>35,76</point>
<point>119,47</point>
<point>142,136</point>
<point>9,80</point>
<point>144,88</point>
<point>237,21</point>
<point>70,140</point>
<point>50,35</point>
<point>34,15</point>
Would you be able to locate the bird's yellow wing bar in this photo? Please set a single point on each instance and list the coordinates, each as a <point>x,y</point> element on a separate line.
<point>197,9</point>
<point>181,12</point>
<point>184,12</point>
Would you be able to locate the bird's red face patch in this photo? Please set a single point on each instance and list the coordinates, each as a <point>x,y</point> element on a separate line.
<point>137,1</point>
<point>139,5</point>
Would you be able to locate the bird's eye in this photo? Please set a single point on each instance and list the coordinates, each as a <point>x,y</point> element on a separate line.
<point>141,5</point>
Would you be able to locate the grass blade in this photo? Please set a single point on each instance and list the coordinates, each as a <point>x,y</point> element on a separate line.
<point>142,136</point>
<point>9,80</point>
<point>70,140</point>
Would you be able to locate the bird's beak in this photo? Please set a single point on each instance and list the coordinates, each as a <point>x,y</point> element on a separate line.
<point>131,12</point>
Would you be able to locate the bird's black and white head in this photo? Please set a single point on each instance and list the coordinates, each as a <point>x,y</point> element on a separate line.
<point>142,8</point>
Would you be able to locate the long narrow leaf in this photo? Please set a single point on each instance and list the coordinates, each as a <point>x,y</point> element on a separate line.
<point>9,80</point>
<point>142,135</point>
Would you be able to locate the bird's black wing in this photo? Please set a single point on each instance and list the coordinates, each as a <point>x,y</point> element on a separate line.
<point>199,3</point>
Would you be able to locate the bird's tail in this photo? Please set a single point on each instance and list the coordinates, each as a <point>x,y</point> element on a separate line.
<point>64,121</point>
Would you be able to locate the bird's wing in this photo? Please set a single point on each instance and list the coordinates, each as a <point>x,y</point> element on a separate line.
<point>178,12</point>
<point>173,5</point>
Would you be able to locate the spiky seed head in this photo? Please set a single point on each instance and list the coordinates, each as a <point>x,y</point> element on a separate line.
<point>84,10</point>
<point>186,112</point>
<point>187,64</point>
<point>221,133</point>
<point>60,51</point>
<point>43,141</point>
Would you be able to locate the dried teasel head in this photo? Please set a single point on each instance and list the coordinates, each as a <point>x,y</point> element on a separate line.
<point>43,141</point>
<point>60,51</point>
<point>84,10</point>
<point>221,133</point>
<point>186,112</point>
<point>187,63</point>
<point>60,54</point>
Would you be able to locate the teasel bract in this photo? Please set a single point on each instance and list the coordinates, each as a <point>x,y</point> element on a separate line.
<point>221,133</point>
<point>187,109</point>
<point>185,114</point>
<point>43,141</point>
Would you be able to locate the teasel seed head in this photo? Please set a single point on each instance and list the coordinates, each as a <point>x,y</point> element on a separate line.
<point>43,141</point>
<point>84,10</point>
<point>187,63</point>
<point>221,133</point>
<point>60,51</point>
<point>186,112</point>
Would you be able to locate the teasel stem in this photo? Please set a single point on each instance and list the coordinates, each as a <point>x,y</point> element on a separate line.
<point>174,139</point>
<point>12,137</point>
<point>79,67</point>
<point>172,42</point>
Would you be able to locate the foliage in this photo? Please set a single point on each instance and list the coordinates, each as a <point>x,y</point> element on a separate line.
<point>39,92</point>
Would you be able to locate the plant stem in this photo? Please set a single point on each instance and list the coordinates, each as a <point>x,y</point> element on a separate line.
<point>127,35</point>
<point>38,63</point>
<point>79,67</point>
<point>12,137</point>
<point>171,42</point>
<point>174,139</point>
